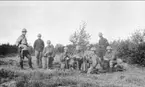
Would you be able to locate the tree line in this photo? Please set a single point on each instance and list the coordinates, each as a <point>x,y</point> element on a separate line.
<point>131,50</point>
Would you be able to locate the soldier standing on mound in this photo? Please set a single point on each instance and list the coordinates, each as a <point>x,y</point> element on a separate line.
<point>103,43</point>
<point>23,49</point>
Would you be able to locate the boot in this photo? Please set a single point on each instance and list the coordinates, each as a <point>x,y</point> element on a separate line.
<point>30,64</point>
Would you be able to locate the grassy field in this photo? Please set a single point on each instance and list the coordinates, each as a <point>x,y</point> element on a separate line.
<point>12,76</point>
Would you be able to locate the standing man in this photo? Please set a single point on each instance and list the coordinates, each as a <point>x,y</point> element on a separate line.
<point>22,45</point>
<point>103,43</point>
<point>38,47</point>
<point>48,55</point>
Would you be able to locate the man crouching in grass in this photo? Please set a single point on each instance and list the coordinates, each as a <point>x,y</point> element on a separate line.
<point>115,63</point>
<point>48,55</point>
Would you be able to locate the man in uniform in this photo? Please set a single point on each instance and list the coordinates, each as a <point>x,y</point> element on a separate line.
<point>103,43</point>
<point>23,49</point>
<point>94,60</point>
<point>111,57</point>
<point>65,59</point>
<point>86,58</point>
<point>79,57</point>
<point>38,47</point>
<point>48,55</point>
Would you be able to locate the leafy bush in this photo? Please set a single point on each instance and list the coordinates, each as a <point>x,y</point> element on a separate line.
<point>131,50</point>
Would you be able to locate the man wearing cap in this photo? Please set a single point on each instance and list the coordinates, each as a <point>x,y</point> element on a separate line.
<point>65,59</point>
<point>79,57</point>
<point>103,43</point>
<point>38,47</point>
<point>94,60</point>
<point>86,58</point>
<point>22,44</point>
<point>48,55</point>
<point>111,57</point>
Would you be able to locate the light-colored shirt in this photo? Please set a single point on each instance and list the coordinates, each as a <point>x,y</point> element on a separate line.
<point>110,55</point>
<point>22,42</point>
<point>49,51</point>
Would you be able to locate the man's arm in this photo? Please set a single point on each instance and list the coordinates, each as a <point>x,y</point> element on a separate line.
<point>44,52</point>
<point>43,44</point>
<point>53,54</point>
<point>18,40</point>
<point>107,43</point>
<point>34,44</point>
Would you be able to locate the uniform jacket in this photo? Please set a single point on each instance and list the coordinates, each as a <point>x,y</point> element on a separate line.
<point>64,57</point>
<point>94,59</point>
<point>22,42</point>
<point>79,55</point>
<point>110,55</point>
<point>39,45</point>
<point>49,51</point>
<point>103,43</point>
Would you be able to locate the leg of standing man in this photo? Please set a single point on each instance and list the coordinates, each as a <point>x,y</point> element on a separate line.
<point>45,62</point>
<point>21,59</point>
<point>50,60</point>
<point>26,53</point>
<point>37,53</point>
<point>40,59</point>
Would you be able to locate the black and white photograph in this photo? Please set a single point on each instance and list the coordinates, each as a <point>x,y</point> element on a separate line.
<point>72,43</point>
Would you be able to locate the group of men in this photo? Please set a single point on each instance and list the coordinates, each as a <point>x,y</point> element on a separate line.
<point>40,51</point>
<point>85,61</point>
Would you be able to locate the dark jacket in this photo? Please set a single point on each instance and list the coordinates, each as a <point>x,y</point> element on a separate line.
<point>103,43</point>
<point>39,45</point>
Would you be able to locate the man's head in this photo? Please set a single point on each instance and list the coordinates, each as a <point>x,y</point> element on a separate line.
<point>100,35</point>
<point>39,36</point>
<point>109,48</point>
<point>65,49</point>
<point>48,42</point>
<point>24,31</point>
<point>78,48</point>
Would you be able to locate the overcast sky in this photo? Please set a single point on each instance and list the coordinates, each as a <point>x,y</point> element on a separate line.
<point>57,20</point>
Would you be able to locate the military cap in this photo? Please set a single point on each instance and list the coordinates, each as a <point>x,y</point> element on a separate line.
<point>48,41</point>
<point>100,34</point>
<point>39,35</point>
<point>24,30</point>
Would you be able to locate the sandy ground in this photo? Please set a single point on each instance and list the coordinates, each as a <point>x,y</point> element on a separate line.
<point>132,77</point>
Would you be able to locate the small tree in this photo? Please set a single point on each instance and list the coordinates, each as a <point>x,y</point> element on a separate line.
<point>59,48</point>
<point>80,37</point>
<point>138,36</point>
